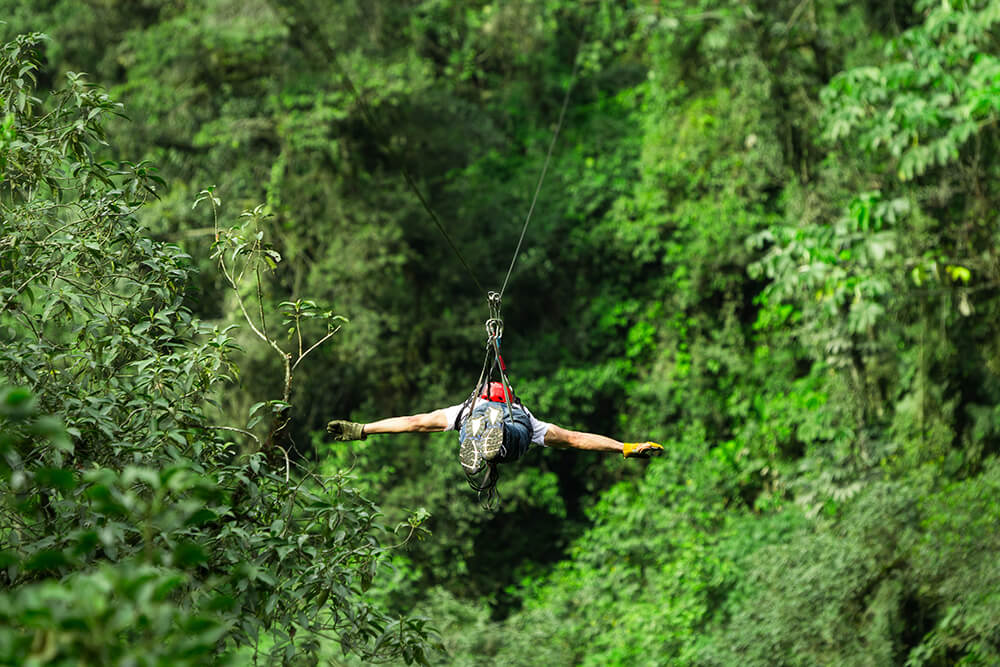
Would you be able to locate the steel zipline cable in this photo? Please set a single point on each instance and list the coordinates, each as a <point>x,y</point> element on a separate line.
<point>299,21</point>
<point>370,120</point>
<point>545,165</point>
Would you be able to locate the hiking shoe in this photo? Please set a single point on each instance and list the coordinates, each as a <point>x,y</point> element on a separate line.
<point>492,440</point>
<point>470,447</point>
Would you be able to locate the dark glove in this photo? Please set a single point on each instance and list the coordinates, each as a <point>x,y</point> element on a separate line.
<point>641,450</point>
<point>343,430</point>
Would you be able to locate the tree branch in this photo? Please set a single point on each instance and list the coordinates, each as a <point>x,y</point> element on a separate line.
<point>236,430</point>
<point>315,345</point>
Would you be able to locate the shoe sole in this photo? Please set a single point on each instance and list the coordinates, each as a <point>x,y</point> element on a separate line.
<point>492,441</point>
<point>469,456</point>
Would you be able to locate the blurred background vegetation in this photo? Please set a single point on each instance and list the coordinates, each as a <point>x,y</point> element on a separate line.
<point>768,239</point>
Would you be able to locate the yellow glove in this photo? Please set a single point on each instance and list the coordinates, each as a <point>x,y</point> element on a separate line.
<point>641,450</point>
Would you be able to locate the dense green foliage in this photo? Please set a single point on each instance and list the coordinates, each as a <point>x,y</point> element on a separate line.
<point>133,533</point>
<point>768,238</point>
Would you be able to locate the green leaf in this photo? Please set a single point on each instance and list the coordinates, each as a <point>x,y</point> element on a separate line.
<point>52,429</point>
<point>959,273</point>
<point>60,479</point>
<point>46,560</point>
<point>189,554</point>
<point>201,517</point>
<point>16,403</point>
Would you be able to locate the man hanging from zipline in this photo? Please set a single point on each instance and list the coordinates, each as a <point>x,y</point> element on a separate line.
<point>493,424</point>
<point>486,435</point>
<point>492,430</point>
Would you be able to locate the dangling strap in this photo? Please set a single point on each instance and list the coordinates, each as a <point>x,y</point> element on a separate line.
<point>508,397</point>
<point>487,486</point>
<point>471,400</point>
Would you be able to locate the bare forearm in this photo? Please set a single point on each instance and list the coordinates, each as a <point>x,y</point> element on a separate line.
<point>594,442</point>
<point>565,438</point>
<point>412,424</point>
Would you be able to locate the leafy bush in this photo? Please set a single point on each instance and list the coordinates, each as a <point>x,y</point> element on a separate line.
<point>133,528</point>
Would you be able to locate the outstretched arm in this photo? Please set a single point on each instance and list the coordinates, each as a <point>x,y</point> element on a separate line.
<point>343,430</point>
<point>424,422</point>
<point>564,438</point>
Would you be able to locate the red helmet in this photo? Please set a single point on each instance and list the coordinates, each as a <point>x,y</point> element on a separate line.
<point>494,392</point>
